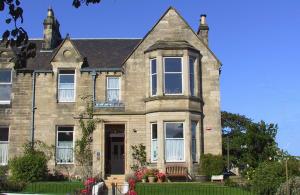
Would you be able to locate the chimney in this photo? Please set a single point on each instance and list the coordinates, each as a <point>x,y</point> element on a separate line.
<point>51,31</point>
<point>203,29</point>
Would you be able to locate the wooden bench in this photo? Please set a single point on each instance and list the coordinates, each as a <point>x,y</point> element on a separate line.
<point>217,178</point>
<point>177,171</point>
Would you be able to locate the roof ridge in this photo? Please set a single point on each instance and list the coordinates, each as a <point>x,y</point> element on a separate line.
<point>40,39</point>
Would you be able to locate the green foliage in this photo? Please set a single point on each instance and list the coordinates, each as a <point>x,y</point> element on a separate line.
<point>250,143</point>
<point>211,165</point>
<point>267,177</point>
<point>30,167</point>
<point>139,156</point>
<point>61,187</point>
<point>12,186</point>
<point>292,186</point>
<point>83,146</point>
<point>3,172</point>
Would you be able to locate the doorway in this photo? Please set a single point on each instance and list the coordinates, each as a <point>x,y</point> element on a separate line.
<point>114,149</point>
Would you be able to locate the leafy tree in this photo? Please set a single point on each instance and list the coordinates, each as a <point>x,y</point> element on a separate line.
<point>250,143</point>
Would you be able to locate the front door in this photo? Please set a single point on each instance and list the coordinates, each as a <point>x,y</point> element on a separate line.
<point>117,157</point>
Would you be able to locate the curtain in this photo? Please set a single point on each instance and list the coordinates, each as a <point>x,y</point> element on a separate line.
<point>3,153</point>
<point>174,150</point>
<point>66,92</point>
<point>64,153</point>
<point>154,150</point>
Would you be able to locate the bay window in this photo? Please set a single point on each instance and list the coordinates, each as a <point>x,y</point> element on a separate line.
<point>113,89</point>
<point>174,142</point>
<point>153,79</point>
<point>65,145</point>
<point>191,75</point>
<point>5,86</point>
<point>154,146</point>
<point>4,131</point>
<point>66,86</point>
<point>194,145</point>
<point>173,75</point>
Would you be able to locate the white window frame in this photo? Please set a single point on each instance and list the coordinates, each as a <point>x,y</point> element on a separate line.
<point>154,123</point>
<point>2,83</point>
<point>164,75</point>
<point>59,74</point>
<point>152,74</point>
<point>119,78</point>
<point>5,142</point>
<point>165,132</point>
<point>73,146</point>
<point>192,72</point>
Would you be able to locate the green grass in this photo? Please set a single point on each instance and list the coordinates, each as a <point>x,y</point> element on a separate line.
<point>191,188</point>
<point>58,188</point>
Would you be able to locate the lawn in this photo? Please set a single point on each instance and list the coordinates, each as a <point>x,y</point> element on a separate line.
<point>191,188</point>
<point>61,187</point>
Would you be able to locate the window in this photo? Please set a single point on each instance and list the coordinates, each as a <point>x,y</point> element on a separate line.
<point>173,75</point>
<point>194,145</point>
<point>174,142</point>
<point>113,89</point>
<point>4,145</point>
<point>153,82</point>
<point>191,76</point>
<point>154,146</point>
<point>66,86</point>
<point>5,86</point>
<point>64,145</point>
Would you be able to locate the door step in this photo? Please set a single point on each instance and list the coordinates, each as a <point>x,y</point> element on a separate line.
<point>112,179</point>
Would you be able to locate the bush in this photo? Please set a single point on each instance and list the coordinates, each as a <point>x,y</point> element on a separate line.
<point>30,167</point>
<point>3,172</point>
<point>12,186</point>
<point>267,177</point>
<point>211,165</point>
<point>293,184</point>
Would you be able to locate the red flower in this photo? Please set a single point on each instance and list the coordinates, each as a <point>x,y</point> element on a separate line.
<point>132,192</point>
<point>89,181</point>
<point>84,191</point>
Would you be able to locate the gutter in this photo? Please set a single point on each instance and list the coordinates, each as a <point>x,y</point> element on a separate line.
<point>33,108</point>
<point>101,70</point>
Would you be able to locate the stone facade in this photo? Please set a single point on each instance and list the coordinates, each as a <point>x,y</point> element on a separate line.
<point>137,109</point>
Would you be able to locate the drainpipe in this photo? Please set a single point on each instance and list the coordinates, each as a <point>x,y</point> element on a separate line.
<point>94,74</point>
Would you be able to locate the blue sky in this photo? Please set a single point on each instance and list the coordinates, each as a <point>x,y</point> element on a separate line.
<point>257,42</point>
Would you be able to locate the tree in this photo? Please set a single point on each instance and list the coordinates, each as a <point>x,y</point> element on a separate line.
<point>250,143</point>
<point>17,37</point>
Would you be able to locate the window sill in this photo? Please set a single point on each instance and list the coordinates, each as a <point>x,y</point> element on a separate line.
<point>5,102</point>
<point>62,163</point>
<point>173,97</point>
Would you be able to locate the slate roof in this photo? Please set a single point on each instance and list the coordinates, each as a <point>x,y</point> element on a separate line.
<point>100,53</point>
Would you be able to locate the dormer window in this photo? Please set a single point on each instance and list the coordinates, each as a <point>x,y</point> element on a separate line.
<point>5,86</point>
<point>113,89</point>
<point>153,79</point>
<point>66,86</point>
<point>173,75</point>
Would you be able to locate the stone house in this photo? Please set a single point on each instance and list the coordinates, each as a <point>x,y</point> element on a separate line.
<point>162,90</point>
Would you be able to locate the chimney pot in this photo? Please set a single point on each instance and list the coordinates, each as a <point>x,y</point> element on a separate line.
<point>203,19</point>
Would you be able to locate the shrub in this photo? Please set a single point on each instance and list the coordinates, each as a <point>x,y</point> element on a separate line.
<point>293,184</point>
<point>267,177</point>
<point>211,165</point>
<point>3,172</point>
<point>30,167</point>
<point>12,186</point>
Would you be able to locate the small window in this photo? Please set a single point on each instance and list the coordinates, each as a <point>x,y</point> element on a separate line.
<point>65,145</point>
<point>153,79</point>
<point>194,145</point>
<point>5,86</point>
<point>174,142</point>
<point>113,89</point>
<point>154,146</point>
<point>4,131</point>
<point>173,75</point>
<point>66,86</point>
<point>192,77</point>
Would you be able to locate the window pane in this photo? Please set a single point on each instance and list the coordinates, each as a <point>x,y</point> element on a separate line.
<point>174,150</point>
<point>174,130</point>
<point>5,76</point>
<point>173,83</point>
<point>113,95</point>
<point>154,131</point>
<point>154,148</point>
<point>192,80</point>
<point>173,65</point>
<point>64,152</point>
<point>66,78</point>
<point>113,82</point>
<point>154,84</point>
<point>4,134</point>
<point>153,66</point>
<point>194,126</point>
<point>5,91</point>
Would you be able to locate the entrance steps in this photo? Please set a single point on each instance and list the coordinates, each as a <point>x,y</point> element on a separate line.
<point>112,179</point>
